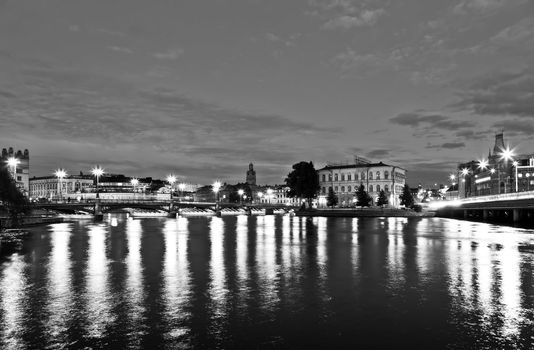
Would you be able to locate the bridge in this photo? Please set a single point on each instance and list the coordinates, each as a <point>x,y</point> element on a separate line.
<point>513,207</point>
<point>99,206</point>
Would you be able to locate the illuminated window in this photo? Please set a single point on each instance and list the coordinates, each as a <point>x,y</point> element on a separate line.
<point>386,174</point>
<point>378,175</point>
<point>371,175</point>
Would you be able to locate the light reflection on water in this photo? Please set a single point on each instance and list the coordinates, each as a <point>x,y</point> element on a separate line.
<point>269,281</point>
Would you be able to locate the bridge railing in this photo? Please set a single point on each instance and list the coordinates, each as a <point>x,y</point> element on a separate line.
<point>499,197</point>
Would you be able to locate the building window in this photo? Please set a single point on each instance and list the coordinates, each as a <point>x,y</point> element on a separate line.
<point>355,176</point>
<point>335,189</point>
<point>342,189</point>
<point>363,175</point>
<point>330,177</point>
<point>336,177</point>
<point>386,174</point>
<point>378,175</point>
<point>329,188</point>
<point>349,177</point>
<point>342,177</point>
<point>370,175</point>
<point>19,171</point>
<point>386,188</point>
<point>349,189</point>
<point>370,188</point>
<point>324,177</point>
<point>324,190</point>
<point>377,188</point>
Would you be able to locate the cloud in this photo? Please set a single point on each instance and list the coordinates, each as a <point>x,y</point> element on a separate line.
<point>448,145</point>
<point>471,134</point>
<point>515,126</point>
<point>364,18</point>
<point>171,55</point>
<point>482,6</point>
<point>429,125</point>
<point>502,94</point>
<point>378,153</point>
<point>120,49</point>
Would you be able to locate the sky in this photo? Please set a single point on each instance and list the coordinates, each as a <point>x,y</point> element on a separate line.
<point>202,88</point>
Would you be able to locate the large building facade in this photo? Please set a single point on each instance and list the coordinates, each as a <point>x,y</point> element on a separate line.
<point>21,171</point>
<point>344,180</point>
<point>50,187</point>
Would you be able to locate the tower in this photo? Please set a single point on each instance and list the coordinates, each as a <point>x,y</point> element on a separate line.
<point>251,175</point>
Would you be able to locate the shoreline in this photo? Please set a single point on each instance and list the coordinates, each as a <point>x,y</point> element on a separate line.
<point>351,213</point>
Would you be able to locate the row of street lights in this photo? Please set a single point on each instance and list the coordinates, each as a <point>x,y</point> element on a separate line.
<point>506,154</point>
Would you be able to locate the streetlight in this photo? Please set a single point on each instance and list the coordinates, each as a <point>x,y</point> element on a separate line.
<point>181,187</point>
<point>506,155</point>
<point>240,192</point>
<point>12,162</point>
<point>171,179</point>
<point>134,183</point>
<point>515,164</point>
<point>269,194</point>
<point>60,174</point>
<point>482,164</point>
<point>97,172</point>
<point>216,187</point>
<point>260,196</point>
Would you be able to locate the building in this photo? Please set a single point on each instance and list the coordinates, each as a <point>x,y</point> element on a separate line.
<point>502,172</point>
<point>277,194</point>
<point>50,187</point>
<point>251,175</point>
<point>20,171</point>
<point>344,180</point>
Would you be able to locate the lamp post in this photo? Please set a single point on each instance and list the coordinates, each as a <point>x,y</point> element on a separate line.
<point>97,172</point>
<point>240,192</point>
<point>12,162</point>
<point>134,183</point>
<point>269,194</point>
<point>506,155</point>
<point>515,164</point>
<point>216,187</point>
<point>60,174</point>
<point>260,196</point>
<point>181,187</point>
<point>171,179</point>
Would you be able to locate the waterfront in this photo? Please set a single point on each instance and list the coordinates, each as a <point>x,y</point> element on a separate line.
<point>269,282</point>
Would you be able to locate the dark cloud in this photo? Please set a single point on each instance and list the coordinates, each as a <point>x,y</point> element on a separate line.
<point>378,153</point>
<point>515,126</point>
<point>500,95</point>
<point>448,145</point>
<point>471,134</point>
<point>430,121</point>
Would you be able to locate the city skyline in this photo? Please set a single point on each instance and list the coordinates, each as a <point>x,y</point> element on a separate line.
<point>200,89</point>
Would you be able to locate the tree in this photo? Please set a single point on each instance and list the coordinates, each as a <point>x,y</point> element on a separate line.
<point>303,181</point>
<point>12,198</point>
<point>406,197</point>
<point>382,199</point>
<point>331,199</point>
<point>362,198</point>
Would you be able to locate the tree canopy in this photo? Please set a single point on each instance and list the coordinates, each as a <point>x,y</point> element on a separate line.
<point>382,199</point>
<point>362,197</point>
<point>11,197</point>
<point>406,197</point>
<point>331,199</point>
<point>303,181</point>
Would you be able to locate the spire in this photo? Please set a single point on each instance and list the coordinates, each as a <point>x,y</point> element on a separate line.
<point>499,143</point>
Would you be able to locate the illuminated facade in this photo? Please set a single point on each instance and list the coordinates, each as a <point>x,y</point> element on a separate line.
<point>503,172</point>
<point>344,180</point>
<point>50,187</point>
<point>21,171</point>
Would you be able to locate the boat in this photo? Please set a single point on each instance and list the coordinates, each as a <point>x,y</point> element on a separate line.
<point>495,246</point>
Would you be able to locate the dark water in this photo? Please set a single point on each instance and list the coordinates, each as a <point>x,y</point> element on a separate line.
<point>269,282</point>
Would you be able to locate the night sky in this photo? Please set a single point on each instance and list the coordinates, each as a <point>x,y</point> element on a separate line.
<point>201,88</point>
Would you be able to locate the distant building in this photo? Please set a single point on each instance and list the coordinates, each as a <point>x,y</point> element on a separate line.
<point>251,175</point>
<point>498,175</point>
<point>277,194</point>
<point>344,180</point>
<point>21,173</point>
<point>49,187</point>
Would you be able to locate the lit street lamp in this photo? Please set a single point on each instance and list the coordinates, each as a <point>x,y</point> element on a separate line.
<point>181,187</point>
<point>240,192</point>
<point>60,174</point>
<point>269,194</point>
<point>97,172</point>
<point>515,164</point>
<point>171,179</point>
<point>12,162</point>
<point>134,183</point>
<point>216,187</point>
<point>506,155</point>
<point>260,196</point>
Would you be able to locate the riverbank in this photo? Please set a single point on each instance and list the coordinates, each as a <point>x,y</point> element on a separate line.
<point>364,212</point>
<point>27,221</point>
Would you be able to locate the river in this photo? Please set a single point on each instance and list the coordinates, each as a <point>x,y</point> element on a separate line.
<point>268,282</point>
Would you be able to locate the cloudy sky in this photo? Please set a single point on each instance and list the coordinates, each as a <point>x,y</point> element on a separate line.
<point>201,88</point>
